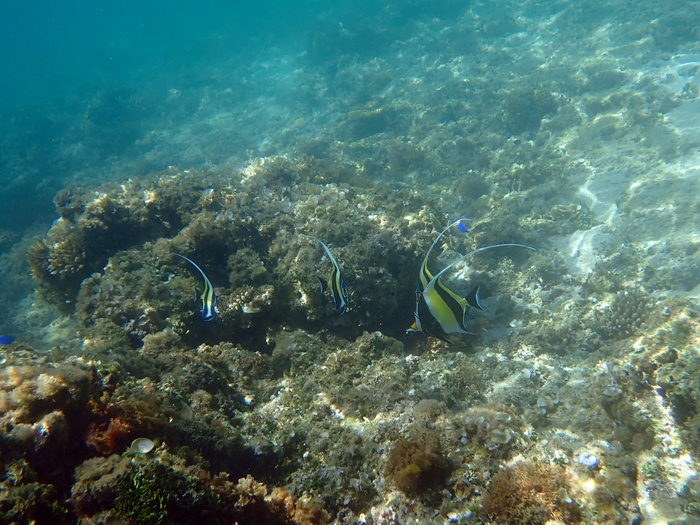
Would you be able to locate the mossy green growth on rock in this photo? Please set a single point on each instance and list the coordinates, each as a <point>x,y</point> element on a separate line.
<point>154,493</point>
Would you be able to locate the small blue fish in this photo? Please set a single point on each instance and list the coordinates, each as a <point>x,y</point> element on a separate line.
<point>209,309</point>
<point>6,339</point>
<point>336,283</point>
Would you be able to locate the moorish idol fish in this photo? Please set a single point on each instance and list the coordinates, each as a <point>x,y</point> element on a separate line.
<point>209,309</point>
<point>425,274</point>
<point>439,310</point>
<point>336,283</point>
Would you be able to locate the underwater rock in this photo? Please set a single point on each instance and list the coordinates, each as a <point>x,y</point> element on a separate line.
<point>364,123</point>
<point>495,430</point>
<point>524,110</point>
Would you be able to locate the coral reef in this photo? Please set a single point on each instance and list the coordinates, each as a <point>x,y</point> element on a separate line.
<point>42,413</point>
<point>492,429</point>
<point>92,225</point>
<point>626,315</point>
<point>577,401</point>
<point>164,490</point>
<point>248,234</point>
<point>356,421</point>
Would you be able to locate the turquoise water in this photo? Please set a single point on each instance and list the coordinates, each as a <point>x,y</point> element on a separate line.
<point>231,132</point>
<point>92,76</point>
<point>56,52</point>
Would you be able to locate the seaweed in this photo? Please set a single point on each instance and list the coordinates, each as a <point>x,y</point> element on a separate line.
<point>417,467</point>
<point>154,493</point>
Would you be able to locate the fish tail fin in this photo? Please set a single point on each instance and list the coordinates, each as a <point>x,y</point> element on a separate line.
<point>324,285</point>
<point>472,298</point>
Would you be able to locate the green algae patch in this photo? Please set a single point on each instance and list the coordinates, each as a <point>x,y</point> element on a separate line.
<point>154,493</point>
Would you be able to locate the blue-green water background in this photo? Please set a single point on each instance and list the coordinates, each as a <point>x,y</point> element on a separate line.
<point>84,82</point>
<point>56,58</point>
<point>53,51</point>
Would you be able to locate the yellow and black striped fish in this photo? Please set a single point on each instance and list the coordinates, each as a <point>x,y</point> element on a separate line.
<point>209,309</point>
<point>440,311</point>
<point>335,282</point>
<point>425,274</point>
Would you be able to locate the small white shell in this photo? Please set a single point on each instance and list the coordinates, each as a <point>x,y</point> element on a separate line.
<point>588,459</point>
<point>142,445</point>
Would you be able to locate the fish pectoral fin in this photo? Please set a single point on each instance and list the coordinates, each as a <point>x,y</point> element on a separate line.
<point>324,285</point>
<point>472,298</point>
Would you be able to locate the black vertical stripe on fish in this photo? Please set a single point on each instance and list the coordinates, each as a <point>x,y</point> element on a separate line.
<point>336,282</point>
<point>425,273</point>
<point>426,323</point>
<point>209,309</point>
<point>441,311</point>
<point>472,298</point>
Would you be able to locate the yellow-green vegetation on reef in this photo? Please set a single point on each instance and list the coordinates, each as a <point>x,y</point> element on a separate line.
<point>154,493</point>
<point>531,493</point>
<point>23,499</point>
